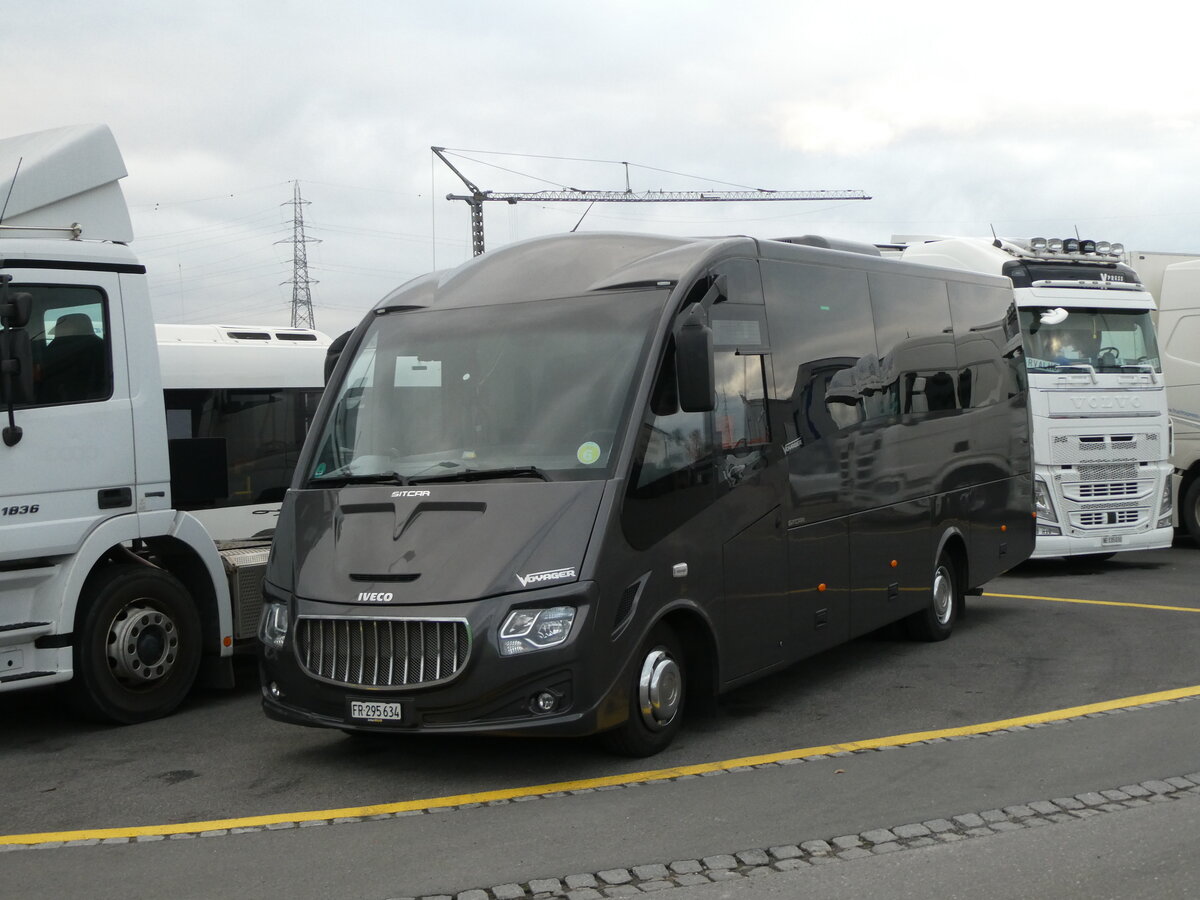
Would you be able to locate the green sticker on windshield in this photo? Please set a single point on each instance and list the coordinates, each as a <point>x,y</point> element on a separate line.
<point>588,453</point>
<point>320,470</point>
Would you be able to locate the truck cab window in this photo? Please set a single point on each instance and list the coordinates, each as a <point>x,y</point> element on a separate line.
<point>68,331</point>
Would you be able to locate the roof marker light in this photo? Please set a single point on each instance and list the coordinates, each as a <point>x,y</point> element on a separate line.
<point>1117,250</point>
<point>1054,245</point>
<point>1103,248</point>
<point>1071,245</point>
<point>1037,245</point>
<point>1087,246</point>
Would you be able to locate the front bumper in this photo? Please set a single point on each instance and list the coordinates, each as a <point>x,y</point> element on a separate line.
<point>1086,545</point>
<point>490,693</point>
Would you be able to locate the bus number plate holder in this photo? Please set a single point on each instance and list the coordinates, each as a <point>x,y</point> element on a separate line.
<point>376,712</point>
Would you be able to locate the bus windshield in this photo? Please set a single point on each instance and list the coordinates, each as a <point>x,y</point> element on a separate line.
<point>536,389</point>
<point>1100,340</point>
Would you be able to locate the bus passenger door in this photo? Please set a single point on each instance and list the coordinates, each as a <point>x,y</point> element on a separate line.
<point>757,632</point>
<point>819,425</point>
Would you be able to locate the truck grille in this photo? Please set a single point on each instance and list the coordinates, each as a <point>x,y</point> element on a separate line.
<point>1102,519</point>
<point>1102,490</point>
<point>382,652</point>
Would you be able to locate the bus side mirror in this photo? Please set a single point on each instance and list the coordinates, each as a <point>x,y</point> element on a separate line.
<point>694,370</point>
<point>334,353</point>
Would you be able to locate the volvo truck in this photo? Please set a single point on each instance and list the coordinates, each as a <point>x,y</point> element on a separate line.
<point>1101,432</point>
<point>140,472</point>
<point>581,479</point>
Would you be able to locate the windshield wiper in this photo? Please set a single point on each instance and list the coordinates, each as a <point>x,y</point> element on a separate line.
<point>484,475</point>
<point>346,478</point>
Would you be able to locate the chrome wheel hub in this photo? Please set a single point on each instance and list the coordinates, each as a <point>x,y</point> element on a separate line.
<point>660,690</point>
<point>143,644</point>
<point>943,595</point>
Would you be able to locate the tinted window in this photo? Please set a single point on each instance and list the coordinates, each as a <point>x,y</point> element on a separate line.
<point>672,477</point>
<point>262,431</point>
<point>985,333</point>
<point>917,364</point>
<point>441,392</point>
<point>72,356</point>
<point>816,313</point>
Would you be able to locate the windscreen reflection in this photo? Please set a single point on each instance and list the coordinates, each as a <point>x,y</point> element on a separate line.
<point>535,389</point>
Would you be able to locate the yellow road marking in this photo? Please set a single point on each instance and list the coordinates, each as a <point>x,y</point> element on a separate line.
<point>564,786</point>
<point>1095,602</point>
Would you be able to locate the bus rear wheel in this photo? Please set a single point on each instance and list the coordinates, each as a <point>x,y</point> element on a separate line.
<point>137,645</point>
<point>656,698</point>
<point>936,621</point>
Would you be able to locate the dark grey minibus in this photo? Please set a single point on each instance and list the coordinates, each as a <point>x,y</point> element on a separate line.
<point>581,479</point>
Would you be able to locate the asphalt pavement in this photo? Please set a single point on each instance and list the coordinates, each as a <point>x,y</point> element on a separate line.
<point>1096,805</point>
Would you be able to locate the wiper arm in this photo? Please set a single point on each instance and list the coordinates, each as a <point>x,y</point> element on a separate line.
<point>346,478</point>
<point>484,475</point>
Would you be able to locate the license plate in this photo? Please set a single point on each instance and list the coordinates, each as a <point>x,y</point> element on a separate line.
<point>375,711</point>
<point>1112,539</point>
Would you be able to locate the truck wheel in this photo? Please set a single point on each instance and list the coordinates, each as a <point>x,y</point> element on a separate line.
<point>656,698</point>
<point>1189,511</point>
<point>137,645</point>
<point>936,620</point>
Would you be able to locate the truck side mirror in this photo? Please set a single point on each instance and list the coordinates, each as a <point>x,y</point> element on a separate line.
<point>694,368</point>
<point>16,365</point>
<point>15,309</point>
<point>16,377</point>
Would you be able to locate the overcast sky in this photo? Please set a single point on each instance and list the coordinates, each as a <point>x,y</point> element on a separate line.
<point>956,117</point>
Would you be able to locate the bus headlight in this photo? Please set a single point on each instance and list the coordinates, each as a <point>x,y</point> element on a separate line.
<point>526,630</point>
<point>273,624</point>
<point>1041,502</point>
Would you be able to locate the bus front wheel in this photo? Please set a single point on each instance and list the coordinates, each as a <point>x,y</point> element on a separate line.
<point>656,698</point>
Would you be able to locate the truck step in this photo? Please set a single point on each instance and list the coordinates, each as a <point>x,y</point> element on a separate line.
<point>22,626</point>
<point>24,676</point>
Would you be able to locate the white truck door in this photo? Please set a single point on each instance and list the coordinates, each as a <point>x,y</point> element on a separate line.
<point>74,465</point>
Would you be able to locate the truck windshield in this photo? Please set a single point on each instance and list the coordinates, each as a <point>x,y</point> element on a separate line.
<point>526,390</point>
<point>1104,340</point>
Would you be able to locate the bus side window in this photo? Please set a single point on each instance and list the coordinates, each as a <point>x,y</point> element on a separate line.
<point>740,425</point>
<point>673,467</point>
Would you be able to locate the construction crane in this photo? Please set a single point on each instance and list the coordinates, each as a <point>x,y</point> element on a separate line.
<point>477,197</point>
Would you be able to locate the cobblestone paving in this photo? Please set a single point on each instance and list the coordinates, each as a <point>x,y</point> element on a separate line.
<point>834,849</point>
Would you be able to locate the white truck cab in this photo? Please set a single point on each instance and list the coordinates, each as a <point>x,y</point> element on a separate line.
<point>112,579</point>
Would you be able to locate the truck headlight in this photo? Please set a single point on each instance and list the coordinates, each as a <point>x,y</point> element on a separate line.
<point>1041,501</point>
<point>273,624</point>
<point>1167,505</point>
<point>526,630</point>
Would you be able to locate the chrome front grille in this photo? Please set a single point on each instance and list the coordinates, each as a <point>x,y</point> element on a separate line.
<point>382,652</point>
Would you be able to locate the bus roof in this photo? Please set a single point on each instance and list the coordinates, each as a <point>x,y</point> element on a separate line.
<point>241,356</point>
